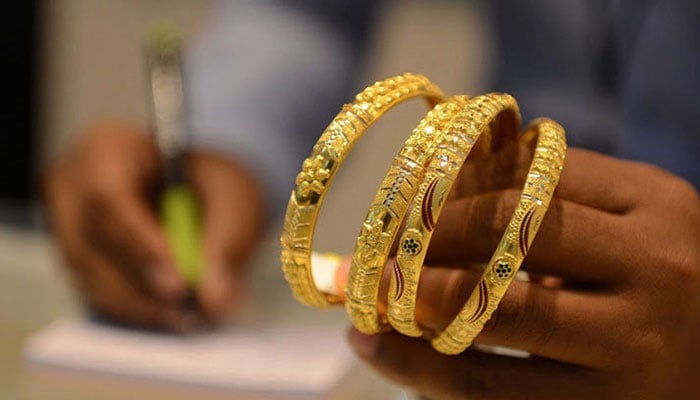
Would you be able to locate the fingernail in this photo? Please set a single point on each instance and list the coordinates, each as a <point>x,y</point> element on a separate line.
<point>341,276</point>
<point>364,345</point>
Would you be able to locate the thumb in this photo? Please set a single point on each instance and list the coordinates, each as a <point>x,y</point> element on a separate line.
<point>232,217</point>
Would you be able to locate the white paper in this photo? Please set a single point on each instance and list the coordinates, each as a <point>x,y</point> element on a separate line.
<point>262,358</point>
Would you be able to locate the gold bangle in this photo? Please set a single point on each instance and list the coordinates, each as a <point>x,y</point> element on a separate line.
<point>388,210</point>
<point>541,182</point>
<point>320,168</point>
<point>485,114</point>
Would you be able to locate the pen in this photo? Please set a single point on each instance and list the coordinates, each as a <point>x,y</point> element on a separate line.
<point>180,213</point>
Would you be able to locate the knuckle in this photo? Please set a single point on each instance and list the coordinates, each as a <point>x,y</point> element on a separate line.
<point>679,192</point>
<point>679,264</point>
<point>652,346</point>
<point>534,321</point>
<point>509,317</point>
<point>526,316</point>
<point>645,348</point>
<point>639,344</point>
<point>672,255</point>
<point>685,266</point>
<point>652,174</point>
<point>666,187</point>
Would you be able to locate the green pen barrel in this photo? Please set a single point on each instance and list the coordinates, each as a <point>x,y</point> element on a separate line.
<point>181,218</point>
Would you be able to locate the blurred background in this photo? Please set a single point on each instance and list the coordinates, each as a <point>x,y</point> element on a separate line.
<point>70,61</point>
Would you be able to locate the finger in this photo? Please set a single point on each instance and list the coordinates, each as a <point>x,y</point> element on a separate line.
<point>110,291</point>
<point>599,181</point>
<point>588,178</point>
<point>488,169</point>
<point>473,374</point>
<point>118,155</point>
<point>123,226</point>
<point>232,218</point>
<point>64,217</point>
<point>221,293</point>
<point>569,236</point>
<point>557,324</point>
<point>103,284</point>
<point>110,170</point>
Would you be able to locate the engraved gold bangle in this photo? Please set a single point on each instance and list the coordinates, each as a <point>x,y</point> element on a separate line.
<point>388,210</point>
<point>490,114</point>
<point>320,168</point>
<point>541,182</point>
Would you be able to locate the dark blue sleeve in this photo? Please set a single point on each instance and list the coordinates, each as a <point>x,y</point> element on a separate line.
<point>621,76</point>
<point>660,92</point>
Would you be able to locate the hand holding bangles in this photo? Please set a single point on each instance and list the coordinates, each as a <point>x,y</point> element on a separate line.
<point>414,191</point>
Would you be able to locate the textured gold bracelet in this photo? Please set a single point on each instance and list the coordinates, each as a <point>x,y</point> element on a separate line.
<point>388,210</point>
<point>541,182</point>
<point>492,114</point>
<point>320,168</point>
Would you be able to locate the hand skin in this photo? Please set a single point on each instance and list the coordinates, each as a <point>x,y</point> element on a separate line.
<point>102,199</point>
<point>613,311</point>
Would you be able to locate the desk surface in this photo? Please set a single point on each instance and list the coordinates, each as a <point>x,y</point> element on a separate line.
<point>34,291</point>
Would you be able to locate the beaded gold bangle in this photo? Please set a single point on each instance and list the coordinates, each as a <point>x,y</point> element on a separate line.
<point>482,114</point>
<point>320,168</point>
<point>388,210</point>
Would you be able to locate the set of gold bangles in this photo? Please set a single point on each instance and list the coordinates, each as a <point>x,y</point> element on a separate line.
<point>409,201</point>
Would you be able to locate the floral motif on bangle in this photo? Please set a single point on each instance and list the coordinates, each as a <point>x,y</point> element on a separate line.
<point>371,239</point>
<point>312,176</point>
<point>503,269</point>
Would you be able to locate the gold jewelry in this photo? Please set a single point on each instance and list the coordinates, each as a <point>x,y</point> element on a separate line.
<point>320,168</point>
<point>541,182</point>
<point>483,114</point>
<point>388,211</point>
